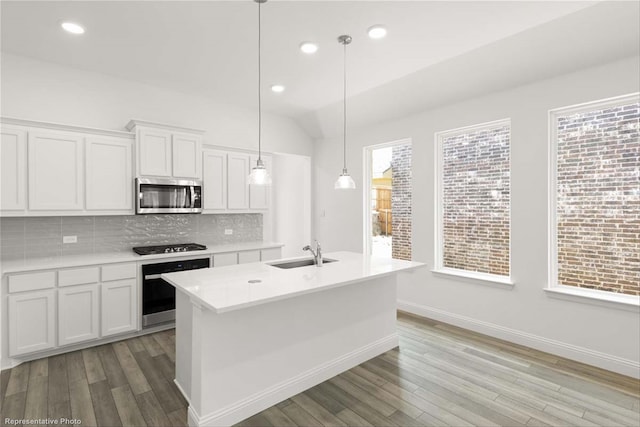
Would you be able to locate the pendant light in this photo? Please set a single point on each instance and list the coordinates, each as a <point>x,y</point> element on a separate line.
<point>259,174</point>
<point>344,182</point>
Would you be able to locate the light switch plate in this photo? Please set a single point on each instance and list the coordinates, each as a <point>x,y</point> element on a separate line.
<point>69,239</point>
<point>228,231</point>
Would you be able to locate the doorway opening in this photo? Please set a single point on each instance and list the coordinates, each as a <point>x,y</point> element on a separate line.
<point>387,222</point>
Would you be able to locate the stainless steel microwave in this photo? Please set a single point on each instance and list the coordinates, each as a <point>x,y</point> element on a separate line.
<point>162,195</point>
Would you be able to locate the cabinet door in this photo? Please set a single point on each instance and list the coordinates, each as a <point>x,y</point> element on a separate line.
<point>109,174</point>
<point>77,314</point>
<point>214,182</point>
<point>13,149</point>
<point>31,322</point>
<point>237,176</point>
<point>119,307</point>
<point>56,167</point>
<point>259,194</point>
<point>187,156</point>
<point>154,152</point>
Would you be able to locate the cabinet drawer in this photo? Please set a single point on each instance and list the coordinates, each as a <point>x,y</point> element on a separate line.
<point>220,260</point>
<point>270,254</point>
<point>32,281</point>
<point>119,271</point>
<point>248,256</point>
<point>78,276</point>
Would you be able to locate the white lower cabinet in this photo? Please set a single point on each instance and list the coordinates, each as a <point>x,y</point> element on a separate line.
<point>78,314</point>
<point>119,307</point>
<point>32,322</point>
<point>80,304</point>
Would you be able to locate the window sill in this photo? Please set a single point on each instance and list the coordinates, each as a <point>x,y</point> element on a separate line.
<point>482,278</point>
<point>594,297</point>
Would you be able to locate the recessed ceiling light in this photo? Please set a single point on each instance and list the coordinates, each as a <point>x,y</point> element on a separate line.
<point>377,32</point>
<point>308,47</point>
<point>277,88</point>
<point>72,28</point>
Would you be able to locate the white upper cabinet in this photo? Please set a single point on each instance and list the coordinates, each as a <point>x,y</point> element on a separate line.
<point>109,173</point>
<point>13,169</point>
<point>154,152</point>
<point>187,156</point>
<point>237,181</point>
<point>51,169</point>
<point>259,194</point>
<point>167,151</point>
<point>226,182</point>
<point>56,166</point>
<point>214,177</point>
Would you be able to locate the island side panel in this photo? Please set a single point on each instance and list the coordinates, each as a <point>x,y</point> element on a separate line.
<point>184,347</point>
<point>258,356</point>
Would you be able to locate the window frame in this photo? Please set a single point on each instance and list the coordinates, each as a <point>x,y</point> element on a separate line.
<point>473,276</point>
<point>553,288</point>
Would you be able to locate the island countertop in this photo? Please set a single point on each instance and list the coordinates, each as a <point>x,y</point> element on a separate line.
<point>229,288</point>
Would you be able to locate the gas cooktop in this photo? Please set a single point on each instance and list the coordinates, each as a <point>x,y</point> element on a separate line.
<point>168,249</point>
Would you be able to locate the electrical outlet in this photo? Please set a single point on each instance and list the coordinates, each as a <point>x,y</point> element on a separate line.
<point>69,239</point>
<point>228,231</point>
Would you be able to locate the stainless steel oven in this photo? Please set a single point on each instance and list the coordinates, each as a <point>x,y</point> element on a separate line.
<point>158,296</point>
<point>163,195</point>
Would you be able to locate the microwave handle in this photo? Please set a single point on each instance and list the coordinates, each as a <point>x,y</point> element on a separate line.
<point>193,196</point>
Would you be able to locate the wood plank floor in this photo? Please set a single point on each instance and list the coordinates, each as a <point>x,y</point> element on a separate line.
<point>439,376</point>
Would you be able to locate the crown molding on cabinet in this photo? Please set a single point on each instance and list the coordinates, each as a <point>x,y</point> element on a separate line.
<point>64,127</point>
<point>144,123</point>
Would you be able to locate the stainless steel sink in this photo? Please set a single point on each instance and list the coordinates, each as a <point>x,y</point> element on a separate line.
<point>299,263</point>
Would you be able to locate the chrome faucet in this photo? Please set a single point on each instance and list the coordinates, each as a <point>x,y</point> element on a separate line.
<point>317,255</point>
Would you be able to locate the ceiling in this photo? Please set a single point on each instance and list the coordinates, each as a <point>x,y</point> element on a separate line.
<point>209,47</point>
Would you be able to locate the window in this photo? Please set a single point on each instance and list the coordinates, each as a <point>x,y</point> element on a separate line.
<point>595,196</point>
<point>473,200</point>
<point>387,213</point>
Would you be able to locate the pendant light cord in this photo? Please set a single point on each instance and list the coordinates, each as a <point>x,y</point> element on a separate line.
<point>344,109</point>
<point>259,85</point>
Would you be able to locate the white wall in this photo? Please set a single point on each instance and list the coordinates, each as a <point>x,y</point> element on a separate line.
<point>43,91</point>
<point>604,336</point>
<point>292,203</point>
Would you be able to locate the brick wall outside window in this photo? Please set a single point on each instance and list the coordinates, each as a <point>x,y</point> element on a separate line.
<point>598,199</point>
<point>475,193</point>
<point>401,202</point>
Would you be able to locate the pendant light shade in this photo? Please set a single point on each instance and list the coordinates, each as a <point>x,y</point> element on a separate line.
<point>259,174</point>
<point>344,182</point>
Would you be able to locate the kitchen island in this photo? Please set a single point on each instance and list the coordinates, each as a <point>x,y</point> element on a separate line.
<point>249,336</point>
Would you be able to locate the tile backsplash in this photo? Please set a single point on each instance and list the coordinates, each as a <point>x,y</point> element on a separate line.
<point>35,237</point>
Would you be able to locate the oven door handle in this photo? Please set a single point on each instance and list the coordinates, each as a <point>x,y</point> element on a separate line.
<point>151,277</point>
<point>193,196</point>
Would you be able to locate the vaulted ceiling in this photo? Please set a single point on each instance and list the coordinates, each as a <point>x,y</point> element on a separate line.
<point>432,53</point>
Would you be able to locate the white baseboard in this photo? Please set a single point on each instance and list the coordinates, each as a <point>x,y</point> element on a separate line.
<point>181,390</point>
<point>591,357</point>
<point>252,405</point>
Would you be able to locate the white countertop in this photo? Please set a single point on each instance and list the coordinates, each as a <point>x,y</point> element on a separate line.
<point>225,289</point>
<point>65,261</point>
